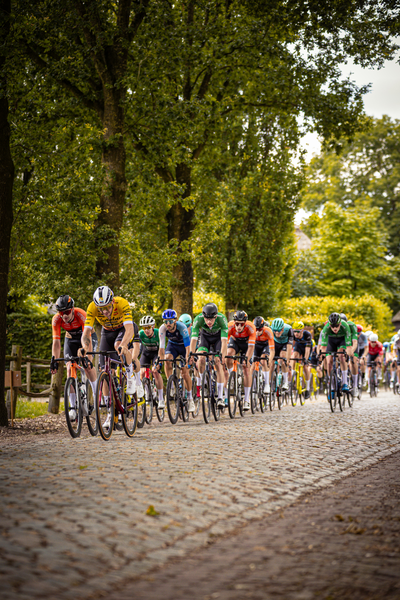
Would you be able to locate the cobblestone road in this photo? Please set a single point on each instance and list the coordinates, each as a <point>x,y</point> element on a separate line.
<point>73,512</point>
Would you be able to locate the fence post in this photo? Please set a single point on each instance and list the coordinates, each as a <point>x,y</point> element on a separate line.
<point>12,394</point>
<point>56,387</point>
<point>28,375</point>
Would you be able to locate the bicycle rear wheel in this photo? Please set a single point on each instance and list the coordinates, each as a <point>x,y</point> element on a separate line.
<point>130,416</point>
<point>332,391</point>
<point>148,395</point>
<point>196,399</point>
<point>91,406</point>
<point>206,396</point>
<point>72,407</point>
<point>173,398</point>
<point>254,392</point>
<point>105,406</point>
<point>302,393</point>
<point>272,395</point>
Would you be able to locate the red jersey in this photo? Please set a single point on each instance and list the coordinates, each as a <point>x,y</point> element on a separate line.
<point>73,329</point>
<point>266,335</point>
<point>375,350</point>
<point>248,333</point>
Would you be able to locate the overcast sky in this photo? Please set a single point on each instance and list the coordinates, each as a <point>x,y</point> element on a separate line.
<point>383,99</point>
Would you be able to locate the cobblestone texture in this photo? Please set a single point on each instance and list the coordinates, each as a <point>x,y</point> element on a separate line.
<point>73,512</point>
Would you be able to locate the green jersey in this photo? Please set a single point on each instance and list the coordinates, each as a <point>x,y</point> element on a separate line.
<point>153,342</point>
<point>220,326</point>
<point>344,332</point>
<point>353,329</point>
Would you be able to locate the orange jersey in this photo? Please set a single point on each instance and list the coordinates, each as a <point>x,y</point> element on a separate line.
<point>248,333</point>
<point>74,328</point>
<point>266,335</point>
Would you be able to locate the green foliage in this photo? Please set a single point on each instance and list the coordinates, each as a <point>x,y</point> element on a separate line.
<point>365,310</point>
<point>29,409</point>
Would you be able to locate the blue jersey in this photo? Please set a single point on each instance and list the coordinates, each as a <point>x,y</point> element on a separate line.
<point>179,336</point>
<point>286,336</point>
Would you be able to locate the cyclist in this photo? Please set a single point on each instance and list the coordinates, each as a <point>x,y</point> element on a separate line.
<point>302,347</point>
<point>395,347</point>
<point>375,354</point>
<point>283,339</point>
<point>354,360</point>
<point>265,348</point>
<point>186,320</point>
<point>72,320</point>
<point>241,340</point>
<point>119,333</point>
<point>336,337</point>
<point>210,332</point>
<point>178,345</point>
<point>150,344</point>
<point>362,345</point>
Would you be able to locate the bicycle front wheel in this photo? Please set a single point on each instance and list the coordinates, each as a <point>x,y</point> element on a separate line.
<point>149,405</point>
<point>232,401</point>
<point>130,416</point>
<point>272,395</point>
<point>105,406</point>
<point>173,399</point>
<point>302,393</point>
<point>91,419</point>
<point>72,407</point>
<point>254,393</point>
<point>206,397</point>
<point>332,391</point>
<point>196,398</point>
<point>294,392</point>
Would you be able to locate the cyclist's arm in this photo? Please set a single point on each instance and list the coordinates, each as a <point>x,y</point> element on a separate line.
<point>56,348</point>
<point>289,349</point>
<point>86,340</point>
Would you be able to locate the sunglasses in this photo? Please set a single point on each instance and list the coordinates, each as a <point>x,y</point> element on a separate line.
<point>169,322</point>
<point>65,312</point>
<point>240,324</point>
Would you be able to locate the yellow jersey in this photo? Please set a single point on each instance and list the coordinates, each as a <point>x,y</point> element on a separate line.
<point>120,316</point>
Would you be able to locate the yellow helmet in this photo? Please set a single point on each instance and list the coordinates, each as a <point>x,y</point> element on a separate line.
<point>298,325</point>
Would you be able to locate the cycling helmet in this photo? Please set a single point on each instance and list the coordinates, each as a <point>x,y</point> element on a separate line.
<point>259,322</point>
<point>64,303</point>
<point>359,328</point>
<point>277,324</point>
<point>210,310</point>
<point>103,296</point>
<point>186,319</point>
<point>334,319</point>
<point>373,337</point>
<point>147,321</point>
<point>386,344</point>
<point>266,323</point>
<point>298,325</point>
<point>368,333</point>
<point>343,317</point>
<point>240,315</point>
<point>170,313</point>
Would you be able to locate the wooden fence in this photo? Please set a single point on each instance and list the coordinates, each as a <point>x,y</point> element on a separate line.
<point>13,380</point>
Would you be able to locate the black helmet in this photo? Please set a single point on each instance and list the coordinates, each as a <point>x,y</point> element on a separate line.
<point>240,315</point>
<point>64,303</point>
<point>334,319</point>
<point>259,322</point>
<point>343,317</point>
<point>210,310</point>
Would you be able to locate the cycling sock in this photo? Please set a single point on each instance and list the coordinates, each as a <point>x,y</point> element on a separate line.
<point>230,370</point>
<point>266,376</point>
<point>93,386</point>
<point>198,380</point>
<point>129,370</point>
<point>344,377</point>
<point>138,382</point>
<point>246,394</point>
<point>189,395</point>
<point>225,392</point>
<point>307,384</point>
<point>72,398</point>
<point>355,381</point>
<point>285,377</point>
<point>220,387</point>
<point>160,395</point>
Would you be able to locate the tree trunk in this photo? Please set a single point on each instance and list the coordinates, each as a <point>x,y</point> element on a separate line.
<point>6,189</point>
<point>114,189</point>
<point>180,228</point>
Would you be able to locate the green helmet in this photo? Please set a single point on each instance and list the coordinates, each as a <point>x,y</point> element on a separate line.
<point>185,318</point>
<point>277,324</point>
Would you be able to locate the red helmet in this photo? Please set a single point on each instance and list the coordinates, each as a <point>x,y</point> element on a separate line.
<point>359,328</point>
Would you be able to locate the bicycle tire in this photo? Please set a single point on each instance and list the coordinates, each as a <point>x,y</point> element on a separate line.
<point>173,398</point>
<point>332,391</point>
<point>240,397</point>
<point>254,393</point>
<point>130,416</point>
<point>74,425</point>
<point>196,399</point>
<point>160,412</point>
<point>294,392</point>
<point>279,396</point>
<point>206,397</point>
<point>302,394</point>
<point>262,397</point>
<point>91,419</point>
<point>371,385</point>
<point>232,395</point>
<point>272,394</point>
<point>105,406</point>
<point>149,400</point>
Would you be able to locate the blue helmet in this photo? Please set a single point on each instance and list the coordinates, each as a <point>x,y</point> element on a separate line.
<point>386,344</point>
<point>187,319</point>
<point>170,313</point>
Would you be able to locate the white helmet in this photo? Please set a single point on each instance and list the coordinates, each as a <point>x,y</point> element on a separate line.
<point>147,321</point>
<point>368,333</point>
<point>103,296</point>
<point>373,337</point>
